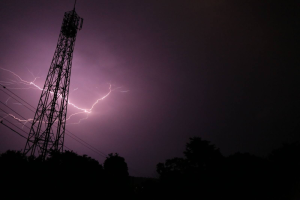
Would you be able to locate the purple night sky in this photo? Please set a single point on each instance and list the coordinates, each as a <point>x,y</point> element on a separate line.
<point>226,71</point>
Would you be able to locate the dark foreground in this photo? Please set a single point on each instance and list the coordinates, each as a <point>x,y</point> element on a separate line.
<point>202,174</point>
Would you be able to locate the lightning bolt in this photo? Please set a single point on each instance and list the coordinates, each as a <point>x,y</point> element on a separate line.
<point>18,119</point>
<point>7,100</point>
<point>86,111</point>
<point>80,119</point>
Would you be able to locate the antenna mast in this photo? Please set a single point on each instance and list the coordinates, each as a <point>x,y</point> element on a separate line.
<point>75,4</point>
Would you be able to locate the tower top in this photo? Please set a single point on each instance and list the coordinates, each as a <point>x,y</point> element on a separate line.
<point>75,4</point>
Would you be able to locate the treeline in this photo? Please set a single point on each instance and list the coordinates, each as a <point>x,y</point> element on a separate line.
<point>203,173</point>
<point>206,174</point>
<point>63,176</point>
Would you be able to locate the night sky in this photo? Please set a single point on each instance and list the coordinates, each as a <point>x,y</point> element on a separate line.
<point>226,71</point>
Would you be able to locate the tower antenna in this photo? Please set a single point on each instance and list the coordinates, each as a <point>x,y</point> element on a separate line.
<point>75,4</point>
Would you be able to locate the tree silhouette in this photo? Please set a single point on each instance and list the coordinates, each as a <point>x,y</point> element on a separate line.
<point>244,173</point>
<point>284,167</point>
<point>70,175</point>
<point>174,165</point>
<point>199,155</point>
<point>115,165</point>
<point>13,165</point>
<point>199,169</point>
<point>206,174</point>
<point>12,159</point>
<point>117,176</point>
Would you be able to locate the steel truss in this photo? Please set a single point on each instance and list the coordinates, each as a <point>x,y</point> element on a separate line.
<point>48,126</point>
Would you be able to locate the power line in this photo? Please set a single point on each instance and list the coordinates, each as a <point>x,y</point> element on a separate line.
<point>14,119</point>
<point>18,127</point>
<point>71,135</point>
<point>82,141</point>
<point>13,130</point>
<point>20,133</point>
<point>102,153</point>
<point>12,110</point>
<point>13,125</point>
<point>17,100</point>
<point>34,112</point>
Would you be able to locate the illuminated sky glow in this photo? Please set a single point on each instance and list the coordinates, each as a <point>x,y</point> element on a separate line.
<point>21,81</point>
<point>227,71</point>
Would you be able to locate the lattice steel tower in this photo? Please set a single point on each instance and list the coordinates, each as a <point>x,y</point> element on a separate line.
<point>48,127</point>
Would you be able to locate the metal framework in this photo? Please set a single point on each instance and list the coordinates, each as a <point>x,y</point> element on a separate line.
<point>48,127</point>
